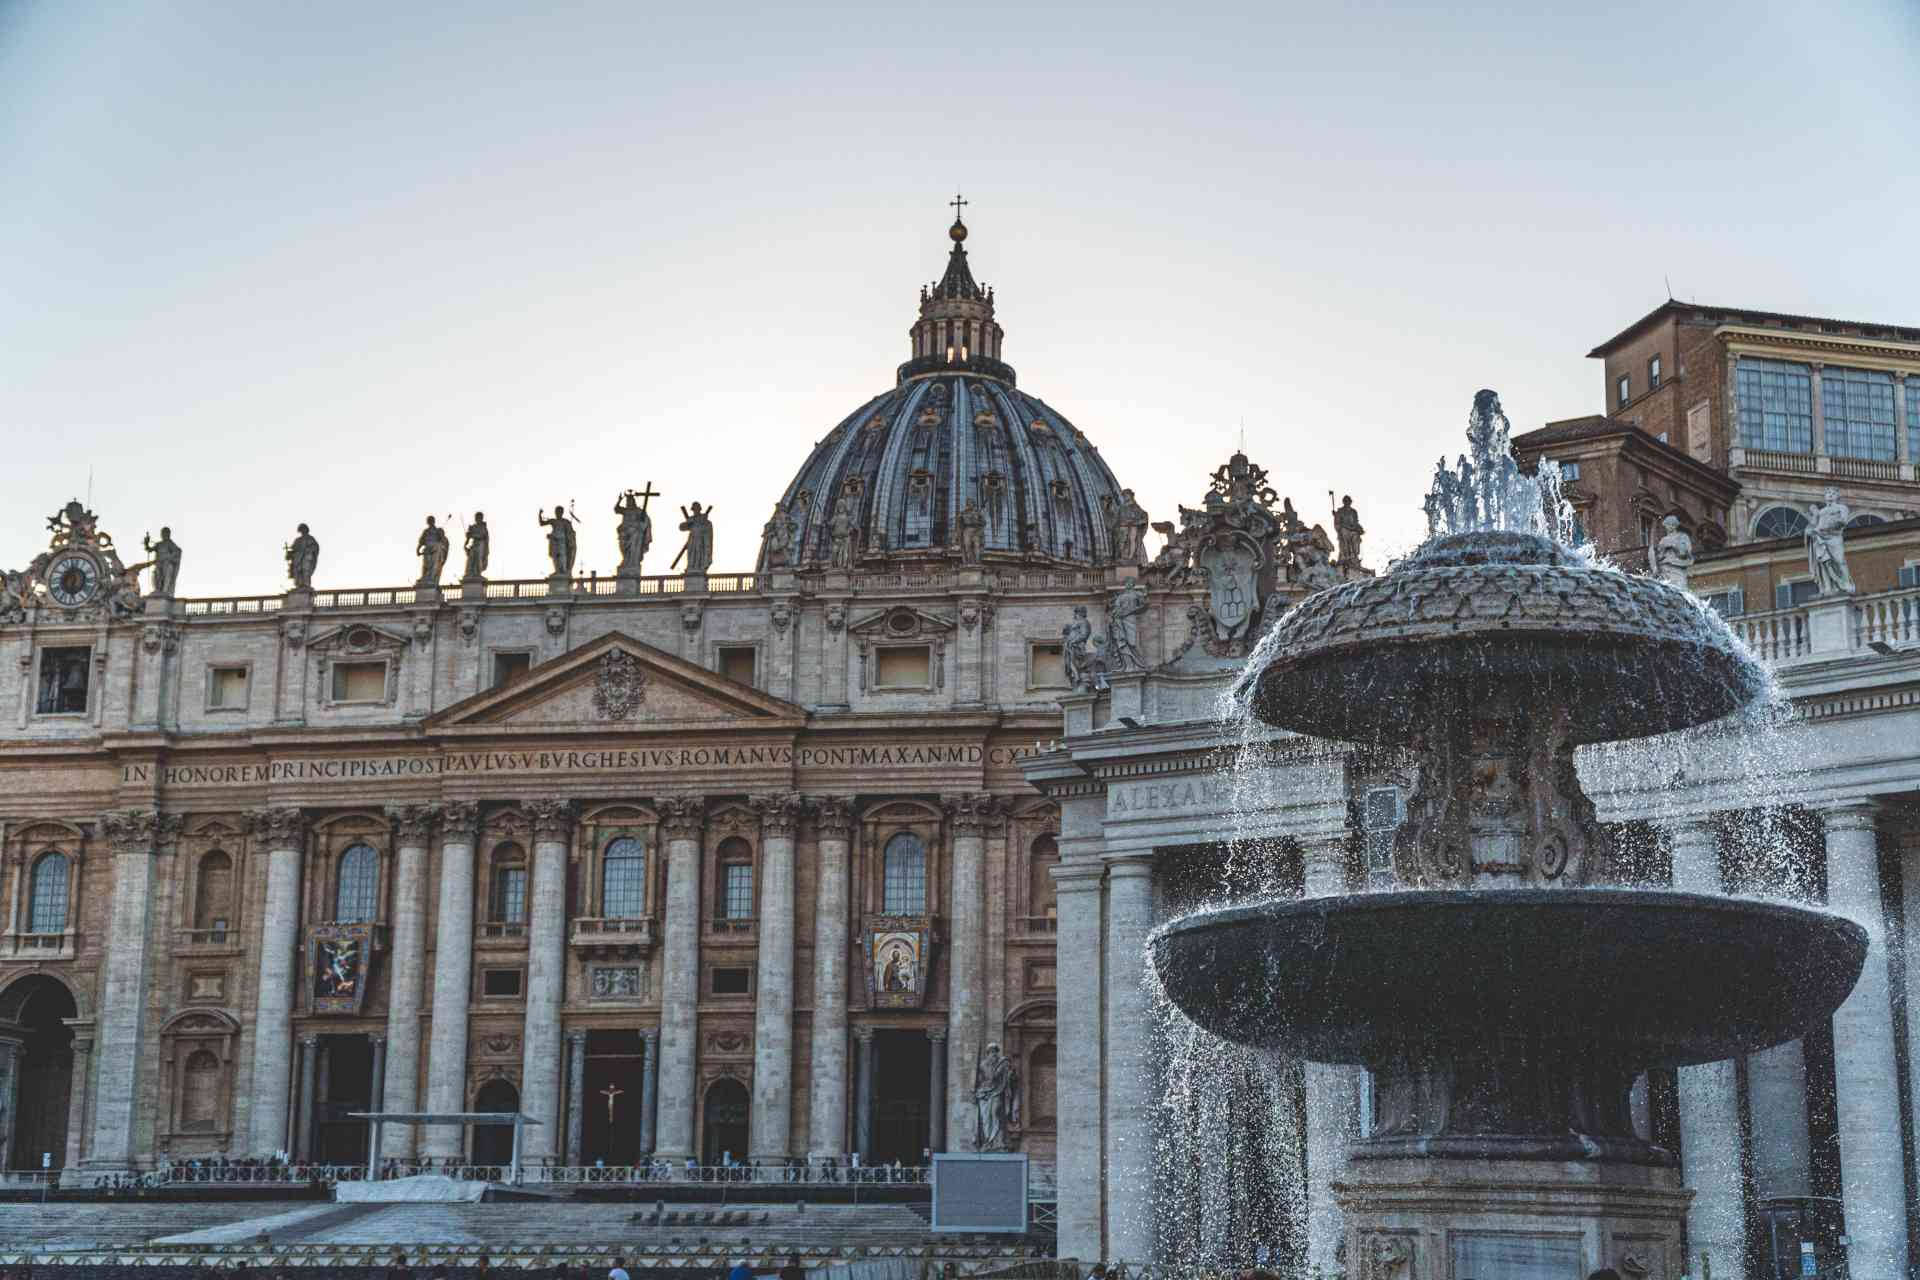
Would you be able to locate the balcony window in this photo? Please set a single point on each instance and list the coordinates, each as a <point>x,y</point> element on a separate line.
<point>507,889</point>
<point>904,876</point>
<point>736,891</point>
<point>1858,407</point>
<point>623,879</point>
<point>1774,400</point>
<point>47,900</point>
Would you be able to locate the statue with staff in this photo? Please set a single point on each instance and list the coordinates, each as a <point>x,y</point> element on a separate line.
<point>562,545</point>
<point>698,551</point>
<point>636,528</point>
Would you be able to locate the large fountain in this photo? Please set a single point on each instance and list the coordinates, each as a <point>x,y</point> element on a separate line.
<point>1503,997</point>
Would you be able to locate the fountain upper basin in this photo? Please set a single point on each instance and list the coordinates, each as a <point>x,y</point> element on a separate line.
<point>1659,978</point>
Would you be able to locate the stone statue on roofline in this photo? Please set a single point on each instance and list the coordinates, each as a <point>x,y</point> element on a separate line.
<point>697,524</point>
<point>478,548</point>
<point>432,549</point>
<point>776,537</point>
<point>1123,628</point>
<point>562,544</point>
<point>166,562</point>
<point>1826,539</point>
<point>636,529</point>
<point>303,557</point>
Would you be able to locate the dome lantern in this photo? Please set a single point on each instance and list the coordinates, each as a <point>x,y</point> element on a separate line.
<point>956,331</point>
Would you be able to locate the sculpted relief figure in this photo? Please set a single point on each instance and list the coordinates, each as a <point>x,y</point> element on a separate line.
<point>1123,628</point>
<point>996,1100</point>
<point>845,533</point>
<point>166,561</point>
<point>1347,531</point>
<point>1671,558</point>
<point>636,529</point>
<point>561,543</point>
<point>478,546</point>
<point>698,551</point>
<point>303,557</point>
<point>1826,545</point>
<point>973,533</point>
<point>1076,649</point>
<point>432,550</point>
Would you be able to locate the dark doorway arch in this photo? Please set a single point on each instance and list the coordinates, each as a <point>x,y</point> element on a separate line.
<point>725,1131</point>
<point>34,1011</point>
<point>493,1143</point>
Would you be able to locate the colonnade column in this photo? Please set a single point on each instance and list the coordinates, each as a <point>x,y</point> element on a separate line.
<point>863,1096</point>
<point>576,1089</point>
<point>649,1087</point>
<point>1709,1098</point>
<point>827,1086</point>
<point>81,1090</point>
<point>133,839</point>
<point>546,973</point>
<point>770,1122</point>
<point>452,977</point>
<point>306,1099</point>
<point>937,1091</point>
<point>682,819</point>
<point>1130,1094</point>
<point>400,1090</point>
<point>967,1032</point>
<point>1866,1091</point>
<point>1077,1111</point>
<point>1332,1090</point>
<point>283,833</point>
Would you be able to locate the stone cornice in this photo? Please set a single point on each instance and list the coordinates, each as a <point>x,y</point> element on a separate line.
<point>278,828</point>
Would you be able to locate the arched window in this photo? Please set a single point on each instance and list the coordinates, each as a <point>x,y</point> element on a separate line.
<point>213,893</point>
<point>1045,856</point>
<point>903,880</point>
<point>1862,520</point>
<point>507,893</point>
<point>200,1092</point>
<point>359,877</point>
<point>623,879</point>
<point>1779,522</point>
<point>47,904</point>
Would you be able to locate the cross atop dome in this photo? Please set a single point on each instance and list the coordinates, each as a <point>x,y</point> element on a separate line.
<point>956,328</point>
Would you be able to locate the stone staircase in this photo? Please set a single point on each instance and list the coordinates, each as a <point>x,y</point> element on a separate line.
<point>117,1223</point>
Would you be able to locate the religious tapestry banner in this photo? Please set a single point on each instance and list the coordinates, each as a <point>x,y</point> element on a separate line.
<point>340,953</point>
<point>899,954</point>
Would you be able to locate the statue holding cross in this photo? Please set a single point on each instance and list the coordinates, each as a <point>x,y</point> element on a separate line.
<point>636,528</point>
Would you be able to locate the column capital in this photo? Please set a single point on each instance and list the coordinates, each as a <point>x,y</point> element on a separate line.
<point>1899,375</point>
<point>413,823</point>
<point>278,828</point>
<point>1078,877</point>
<point>552,819</point>
<point>833,816</point>
<point>937,1034</point>
<point>1130,867</point>
<point>131,831</point>
<point>309,1043</point>
<point>377,1039</point>
<point>779,814</point>
<point>650,1036</point>
<point>682,817</point>
<point>972,812</point>
<point>459,821</point>
<point>1849,815</point>
<point>864,1034</point>
<point>576,1038</point>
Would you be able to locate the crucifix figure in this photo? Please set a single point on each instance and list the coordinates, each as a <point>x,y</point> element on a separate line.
<point>611,1092</point>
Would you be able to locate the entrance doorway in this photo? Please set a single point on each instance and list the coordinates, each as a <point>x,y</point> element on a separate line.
<point>725,1131</point>
<point>493,1143</point>
<point>345,1086</point>
<point>37,1008</point>
<point>902,1076</point>
<point>610,1099</point>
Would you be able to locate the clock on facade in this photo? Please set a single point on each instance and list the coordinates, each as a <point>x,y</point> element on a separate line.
<point>73,579</point>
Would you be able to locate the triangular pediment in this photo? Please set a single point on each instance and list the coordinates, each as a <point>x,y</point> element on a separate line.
<point>615,683</point>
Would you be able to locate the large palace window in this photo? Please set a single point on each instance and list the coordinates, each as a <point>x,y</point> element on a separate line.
<point>1775,405</point>
<point>736,891</point>
<point>623,879</point>
<point>359,876</point>
<point>47,904</point>
<point>213,894</point>
<point>904,876</point>
<point>507,896</point>
<point>1858,407</point>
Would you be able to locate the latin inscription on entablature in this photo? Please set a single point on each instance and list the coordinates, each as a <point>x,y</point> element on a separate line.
<point>1176,795</point>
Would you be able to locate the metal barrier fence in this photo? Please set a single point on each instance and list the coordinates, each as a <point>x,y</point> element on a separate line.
<point>656,1172</point>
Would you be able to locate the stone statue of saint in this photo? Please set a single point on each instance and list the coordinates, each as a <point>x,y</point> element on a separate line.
<point>776,538</point>
<point>432,550</point>
<point>698,552</point>
<point>636,530</point>
<point>973,533</point>
<point>844,531</point>
<point>561,543</point>
<point>1128,531</point>
<point>303,557</point>
<point>1076,649</point>
<point>479,546</point>
<point>1671,557</point>
<point>996,1101</point>
<point>1123,628</point>
<point>1826,546</point>
<point>1346,528</point>
<point>166,561</point>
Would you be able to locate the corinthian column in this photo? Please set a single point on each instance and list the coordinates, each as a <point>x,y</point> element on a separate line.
<point>681,820</point>
<point>966,949</point>
<point>134,836</point>
<point>452,977</point>
<point>400,1091</point>
<point>827,1103</point>
<point>283,834</point>
<point>546,970</point>
<point>771,1121</point>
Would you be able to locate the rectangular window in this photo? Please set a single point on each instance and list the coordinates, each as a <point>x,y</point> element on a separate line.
<point>737,662</point>
<point>1046,667</point>
<point>508,667</point>
<point>226,688</point>
<point>732,982</point>
<point>1653,373</point>
<point>1774,401</point>
<point>509,904</point>
<point>1728,604</point>
<point>1858,406</point>
<point>63,681</point>
<point>359,681</point>
<point>736,891</point>
<point>1789,595</point>
<point>1569,472</point>
<point>500,982</point>
<point>1624,389</point>
<point>903,667</point>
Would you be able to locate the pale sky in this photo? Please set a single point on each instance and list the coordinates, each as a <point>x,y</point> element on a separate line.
<point>357,263</point>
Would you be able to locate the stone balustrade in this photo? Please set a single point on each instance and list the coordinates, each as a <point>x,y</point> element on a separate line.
<point>1832,627</point>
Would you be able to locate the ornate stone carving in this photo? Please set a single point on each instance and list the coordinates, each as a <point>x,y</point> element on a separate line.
<point>833,816</point>
<point>618,982</point>
<point>779,814</point>
<point>780,615</point>
<point>278,828</point>
<point>971,813</point>
<point>552,819</point>
<point>500,1044</point>
<point>1386,1257</point>
<point>138,830</point>
<point>691,611</point>
<point>836,616</point>
<point>728,1041</point>
<point>557,620</point>
<point>413,823</point>
<point>159,637</point>
<point>619,685</point>
<point>469,624</point>
<point>295,633</point>
<point>996,1101</point>
<point>682,817</point>
<point>460,821</point>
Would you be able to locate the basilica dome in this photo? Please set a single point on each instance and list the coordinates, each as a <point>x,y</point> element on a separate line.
<point>955,430</point>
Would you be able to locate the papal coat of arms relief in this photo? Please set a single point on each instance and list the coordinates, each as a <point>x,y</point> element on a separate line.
<point>619,686</point>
